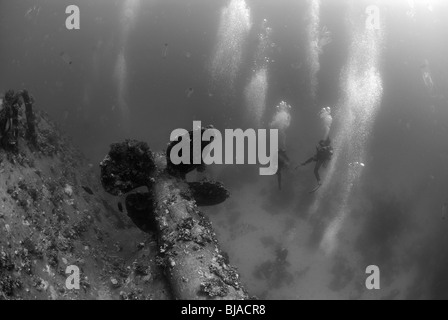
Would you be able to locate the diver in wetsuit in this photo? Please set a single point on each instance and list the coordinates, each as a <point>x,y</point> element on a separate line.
<point>324,152</point>
<point>283,163</point>
<point>275,272</point>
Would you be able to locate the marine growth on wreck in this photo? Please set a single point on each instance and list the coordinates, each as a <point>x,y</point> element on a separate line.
<point>314,163</point>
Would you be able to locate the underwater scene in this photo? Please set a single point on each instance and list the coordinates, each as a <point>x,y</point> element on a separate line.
<point>223,149</point>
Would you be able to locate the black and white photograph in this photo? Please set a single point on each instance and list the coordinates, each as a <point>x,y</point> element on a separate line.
<point>239,150</point>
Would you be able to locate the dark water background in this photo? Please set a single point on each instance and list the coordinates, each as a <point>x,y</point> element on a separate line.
<point>396,220</point>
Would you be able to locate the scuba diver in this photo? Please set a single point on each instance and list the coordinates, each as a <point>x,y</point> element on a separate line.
<point>324,152</point>
<point>275,272</point>
<point>283,163</point>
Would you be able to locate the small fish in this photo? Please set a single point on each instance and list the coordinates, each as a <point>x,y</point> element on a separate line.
<point>66,58</point>
<point>32,10</point>
<point>444,211</point>
<point>356,163</point>
<point>87,189</point>
<point>165,51</point>
<point>120,207</point>
<point>189,92</point>
<point>29,11</point>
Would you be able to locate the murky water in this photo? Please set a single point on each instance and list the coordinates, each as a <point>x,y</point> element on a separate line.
<point>141,69</point>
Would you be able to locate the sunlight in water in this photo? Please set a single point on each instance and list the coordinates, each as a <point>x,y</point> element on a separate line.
<point>317,38</point>
<point>120,75</point>
<point>257,89</point>
<point>233,30</point>
<point>255,94</point>
<point>128,19</point>
<point>362,91</point>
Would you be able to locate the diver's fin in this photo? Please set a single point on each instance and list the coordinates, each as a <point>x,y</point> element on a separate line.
<point>316,188</point>
<point>208,193</point>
